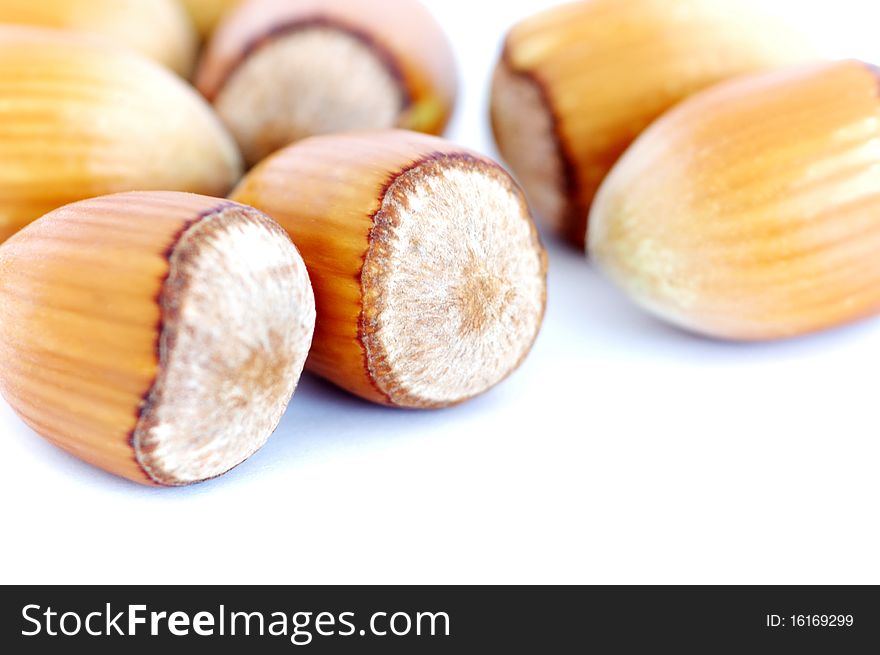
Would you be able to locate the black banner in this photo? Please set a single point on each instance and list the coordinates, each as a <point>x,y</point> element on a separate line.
<point>442,619</point>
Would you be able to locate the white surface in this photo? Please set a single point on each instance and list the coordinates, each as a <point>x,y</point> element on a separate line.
<point>623,451</point>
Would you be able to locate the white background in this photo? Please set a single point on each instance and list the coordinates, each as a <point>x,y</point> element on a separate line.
<point>623,451</point>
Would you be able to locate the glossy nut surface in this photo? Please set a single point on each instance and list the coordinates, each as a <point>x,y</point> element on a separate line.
<point>752,211</point>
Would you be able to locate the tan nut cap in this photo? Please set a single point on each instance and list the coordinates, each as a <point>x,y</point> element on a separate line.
<point>156,335</point>
<point>429,277</point>
<point>281,70</point>
<point>752,211</point>
<point>80,119</point>
<point>577,83</point>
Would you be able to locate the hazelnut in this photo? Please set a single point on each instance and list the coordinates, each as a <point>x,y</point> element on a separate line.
<point>429,277</point>
<point>156,335</point>
<point>281,70</point>
<point>577,83</point>
<point>81,119</point>
<point>752,210</point>
<point>158,29</point>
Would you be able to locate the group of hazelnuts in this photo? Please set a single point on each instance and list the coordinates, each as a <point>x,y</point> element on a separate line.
<point>175,252</point>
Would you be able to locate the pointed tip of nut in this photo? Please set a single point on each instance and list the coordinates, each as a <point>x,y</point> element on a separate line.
<point>453,282</point>
<point>237,321</point>
<point>83,118</point>
<point>767,233</point>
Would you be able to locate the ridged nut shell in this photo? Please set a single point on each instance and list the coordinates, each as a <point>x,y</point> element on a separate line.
<point>80,119</point>
<point>752,210</point>
<point>281,70</point>
<point>577,83</point>
<point>429,277</point>
<point>158,29</point>
<point>156,335</point>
